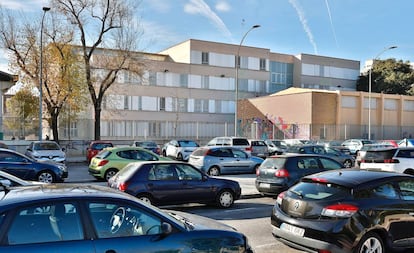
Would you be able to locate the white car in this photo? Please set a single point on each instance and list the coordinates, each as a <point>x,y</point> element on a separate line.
<point>390,159</point>
<point>46,151</point>
<point>237,142</point>
<point>179,149</point>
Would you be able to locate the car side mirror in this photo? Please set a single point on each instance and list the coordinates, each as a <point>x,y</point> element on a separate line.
<point>63,149</point>
<point>166,228</point>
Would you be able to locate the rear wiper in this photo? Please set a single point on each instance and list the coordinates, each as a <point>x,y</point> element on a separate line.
<point>297,193</point>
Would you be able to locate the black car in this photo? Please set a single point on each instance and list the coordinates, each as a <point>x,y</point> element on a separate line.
<point>347,211</point>
<point>27,168</point>
<point>171,182</point>
<point>278,173</point>
<point>86,218</point>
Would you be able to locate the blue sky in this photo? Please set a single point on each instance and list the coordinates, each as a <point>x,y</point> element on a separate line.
<point>350,29</point>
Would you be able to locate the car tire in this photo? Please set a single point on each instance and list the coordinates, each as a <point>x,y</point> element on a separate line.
<point>347,163</point>
<point>46,176</point>
<point>164,153</point>
<point>180,157</point>
<point>145,198</point>
<point>371,242</point>
<point>225,198</point>
<point>214,171</point>
<point>256,168</point>
<point>110,173</point>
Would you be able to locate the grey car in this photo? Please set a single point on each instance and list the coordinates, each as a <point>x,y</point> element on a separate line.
<point>348,161</point>
<point>46,151</point>
<point>224,160</point>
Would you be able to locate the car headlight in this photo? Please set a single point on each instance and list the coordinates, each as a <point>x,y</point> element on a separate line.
<point>62,168</point>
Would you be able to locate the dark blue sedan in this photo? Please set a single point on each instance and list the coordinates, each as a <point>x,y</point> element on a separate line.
<point>27,168</point>
<point>174,182</point>
<point>83,218</point>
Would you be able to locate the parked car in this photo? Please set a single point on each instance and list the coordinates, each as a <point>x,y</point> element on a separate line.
<point>354,145</point>
<point>259,148</point>
<point>406,143</point>
<point>150,145</point>
<point>179,149</point>
<point>46,151</point>
<point>237,142</point>
<point>336,144</point>
<point>95,147</point>
<point>347,211</point>
<point>278,173</point>
<point>173,182</point>
<point>390,159</point>
<point>27,168</point>
<point>348,161</point>
<point>87,218</point>
<point>276,147</point>
<point>10,180</point>
<point>111,160</point>
<point>360,156</point>
<point>217,160</point>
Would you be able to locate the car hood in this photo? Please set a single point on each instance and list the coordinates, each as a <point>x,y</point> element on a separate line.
<point>197,222</point>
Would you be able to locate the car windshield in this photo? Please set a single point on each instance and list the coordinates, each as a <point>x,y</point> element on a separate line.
<point>46,146</point>
<point>188,144</point>
<point>100,146</point>
<point>146,144</point>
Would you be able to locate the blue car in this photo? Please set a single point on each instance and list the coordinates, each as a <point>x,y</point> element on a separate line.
<point>217,160</point>
<point>86,218</point>
<point>174,182</point>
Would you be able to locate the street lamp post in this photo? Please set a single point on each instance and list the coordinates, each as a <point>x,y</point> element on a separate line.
<point>237,77</point>
<point>369,88</point>
<point>45,9</point>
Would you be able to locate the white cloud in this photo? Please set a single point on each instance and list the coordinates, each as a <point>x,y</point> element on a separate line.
<point>222,6</point>
<point>159,5</point>
<point>200,7</point>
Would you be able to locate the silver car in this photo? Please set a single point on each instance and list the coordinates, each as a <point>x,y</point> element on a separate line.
<point>46,151</point>
<point>224,160</point>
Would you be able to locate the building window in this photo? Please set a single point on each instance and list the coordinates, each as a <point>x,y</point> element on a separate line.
<point>184,80</point>
<point>152,78</point>
<point>126,102</point>
<point>218,106</point>
<point>162,103</point>
<point>204,58</point>
<point>205,82</point>
<point>262,64</point>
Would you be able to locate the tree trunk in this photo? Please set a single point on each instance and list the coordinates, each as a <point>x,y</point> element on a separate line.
<point>54,126</point>
<point>97,121</point>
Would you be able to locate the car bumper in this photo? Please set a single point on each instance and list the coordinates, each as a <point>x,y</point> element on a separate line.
<point>56,159</point>
<point>94,172</point>
<point>267,188</point>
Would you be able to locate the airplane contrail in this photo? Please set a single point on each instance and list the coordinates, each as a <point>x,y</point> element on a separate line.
<point>304,22</point>
<point>330,20</point>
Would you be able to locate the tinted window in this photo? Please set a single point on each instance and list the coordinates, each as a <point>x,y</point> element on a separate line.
<point>46,146</point>
<point>11,157</point>
<point>162,172</point>
<point>307,163</point>
<point>258,143</point>
<point>187,144</point>
<point>382,191</point>
<point>239,154</point>
<point>186,172</point>
<point>46,223</point>
<point>276,163</point>
<point>199,152</point>
<point>317,191</point>
<point>406,153</point>
<point>407,189</point>
<point>113,220</point>
<point>240,142</point>
<point>103,154</point>
<point>380,155</point>
<point>100,146</point>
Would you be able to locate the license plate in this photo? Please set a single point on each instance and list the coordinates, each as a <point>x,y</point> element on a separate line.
<point>292,229</point>
<point>264,185</point>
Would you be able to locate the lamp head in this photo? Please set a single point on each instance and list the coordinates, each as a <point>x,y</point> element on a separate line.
<point>255,26</point>
<point>392,47</point>
<point>46,9</point>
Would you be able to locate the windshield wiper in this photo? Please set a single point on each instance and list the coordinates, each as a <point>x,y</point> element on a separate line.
<point>297,193</point>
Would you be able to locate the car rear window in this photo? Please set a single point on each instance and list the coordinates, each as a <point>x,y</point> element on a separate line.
<point>199,152</point>
<point>103,154</point>
<point>258,143</point>
<point>379,155</point>
<point>314,190</point>
<point>100,146</point>
<point>240,142</point>
<point>274,162</point>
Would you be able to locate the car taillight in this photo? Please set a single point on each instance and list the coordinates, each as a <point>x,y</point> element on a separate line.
<point>339,210</point>
<point>122,186</point>
<point>281,173</point>
<point>280,198</point>
<point>103,162</point>
<point>249,149</point>
<point>391,161</point>
<point>258,172</point>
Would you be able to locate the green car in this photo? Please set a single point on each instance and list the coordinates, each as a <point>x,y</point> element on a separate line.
<point>112,159</point>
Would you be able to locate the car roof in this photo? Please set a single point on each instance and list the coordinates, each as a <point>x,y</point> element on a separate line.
<point>57,191</point>
<point>140,163</point>
<point>355,178</point>
<point>118,148</point>
<point>299,155</point>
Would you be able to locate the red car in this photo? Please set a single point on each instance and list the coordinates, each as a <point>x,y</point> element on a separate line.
<point>94,148</point>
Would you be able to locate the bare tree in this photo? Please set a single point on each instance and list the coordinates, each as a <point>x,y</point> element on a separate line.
<point>100,25</point>
<point>61,71</point>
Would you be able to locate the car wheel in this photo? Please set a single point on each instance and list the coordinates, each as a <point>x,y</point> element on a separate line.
<point>409,171</point>
<point>225,199</point>
<point>370,242</point>
<point>179,157</point>
<point>347,163</point>
<point>145,198</point>
<point>46,177</point>
<point>110,173</point>
<point>214,171</point>
<point>164,153</point>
